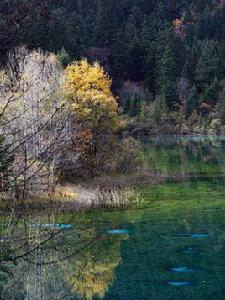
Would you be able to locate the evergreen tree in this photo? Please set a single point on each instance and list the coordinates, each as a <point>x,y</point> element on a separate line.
<point>166,75</point>
<point>193,53</point>
<point>203,25</point>
<point>148,46</point>
<point>134,105</point>
<point>220,108</point>
<point>134,49</point>
<point>119,58</point>
<point>201,4</point>
<point>210,94</point>
<point>88,28</point>
<point>102,24</point>
<point>208,65</point>
<point>187,15</point>
<point>144,112</point>
<point>160,109</point>
<point>64,57</point>
<point>192,101</point>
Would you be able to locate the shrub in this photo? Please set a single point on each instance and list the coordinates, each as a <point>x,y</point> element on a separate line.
<point>128,156</point>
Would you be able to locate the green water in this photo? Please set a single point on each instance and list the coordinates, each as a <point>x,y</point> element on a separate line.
<point>170,247</point>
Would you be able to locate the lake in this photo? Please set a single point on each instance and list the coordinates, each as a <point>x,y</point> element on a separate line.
<point>171,246</point>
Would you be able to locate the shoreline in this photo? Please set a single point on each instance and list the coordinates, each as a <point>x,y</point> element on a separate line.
<point>88,193</point>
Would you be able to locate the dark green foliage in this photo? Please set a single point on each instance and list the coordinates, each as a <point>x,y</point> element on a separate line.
<point>134,105</point>
<point>192,57</point>
<point>220,108</point>
<point>64,57</point>
<point>210,94</point>
<point>192,101</point>
<point>166,71</point>
<point>140,35</point>
<point>160,109</point>
<point>188,15</point>
<point>102,23</point>
<point>208,65</point>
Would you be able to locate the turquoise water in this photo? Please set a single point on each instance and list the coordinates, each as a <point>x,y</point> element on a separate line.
<point>170,247</point>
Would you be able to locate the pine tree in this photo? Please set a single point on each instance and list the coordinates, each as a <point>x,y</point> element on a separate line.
<point>148,45</point>
<point>210,94</point>
<point>134,49</point>
<point>144,111</point>
<point>119,58</point>
<point>203,25</point>
<point>102,24</point>
<point>134,106</point>
<point>201,4</point>
<point>166,77</point>
<point>192,101</point>
<point>64,57</point>
<point>187,15</point>
<point>208,65</point>
<point>193,53</point>
<point>160,109</point>
<point>220,108</point>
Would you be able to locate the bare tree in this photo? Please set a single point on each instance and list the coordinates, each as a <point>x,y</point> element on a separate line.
<point>34,118</point>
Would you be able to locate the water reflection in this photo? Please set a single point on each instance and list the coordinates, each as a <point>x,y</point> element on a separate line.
<point>56,261</point>
<point>172,247</point>
<point>196,156</point>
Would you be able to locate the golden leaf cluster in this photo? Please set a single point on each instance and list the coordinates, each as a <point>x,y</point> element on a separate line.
<point>88,88</point>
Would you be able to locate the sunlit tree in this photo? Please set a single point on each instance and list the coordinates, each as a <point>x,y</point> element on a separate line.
<point>88,89</point>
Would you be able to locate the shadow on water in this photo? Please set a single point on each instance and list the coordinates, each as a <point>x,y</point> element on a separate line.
<point>173,247</point>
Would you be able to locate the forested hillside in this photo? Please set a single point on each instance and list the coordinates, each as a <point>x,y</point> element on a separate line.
<point>171,51</point>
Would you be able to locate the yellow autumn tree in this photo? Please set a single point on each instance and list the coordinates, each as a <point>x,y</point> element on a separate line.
<point>88,88</point>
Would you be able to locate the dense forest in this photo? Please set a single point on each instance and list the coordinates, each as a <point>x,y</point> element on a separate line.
<point>160,69</point>
<point>169,51</point>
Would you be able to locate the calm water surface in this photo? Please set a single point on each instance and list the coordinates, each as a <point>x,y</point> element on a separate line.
<point>170,247</point>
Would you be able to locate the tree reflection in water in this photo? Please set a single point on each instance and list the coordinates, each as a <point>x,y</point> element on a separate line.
<point>56,262</point>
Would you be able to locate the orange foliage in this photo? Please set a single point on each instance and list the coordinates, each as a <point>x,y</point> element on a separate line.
<point>177,23</point>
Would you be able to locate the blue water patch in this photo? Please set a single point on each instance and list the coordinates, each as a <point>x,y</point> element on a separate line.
<point>180,283</point>
<point>55,226</point>
<point>118,231</point>
<point>185,269</point>
<point>193,235</point>
<point>200,235</point>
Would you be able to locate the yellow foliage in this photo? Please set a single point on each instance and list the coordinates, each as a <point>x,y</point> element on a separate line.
<point>82,76</point>
<point>89,89</point>
<point>94,106</point>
